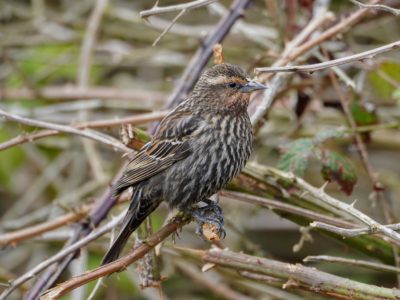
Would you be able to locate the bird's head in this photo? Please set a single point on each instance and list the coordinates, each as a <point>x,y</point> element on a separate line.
<point>225,87</point>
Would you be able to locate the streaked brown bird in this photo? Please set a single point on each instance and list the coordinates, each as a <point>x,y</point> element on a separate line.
<point>197,149</point>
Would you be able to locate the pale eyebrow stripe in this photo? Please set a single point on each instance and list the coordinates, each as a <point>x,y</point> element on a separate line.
<point>222,80</point>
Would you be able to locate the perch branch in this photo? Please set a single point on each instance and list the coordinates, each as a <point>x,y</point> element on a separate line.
<point>118,265</point>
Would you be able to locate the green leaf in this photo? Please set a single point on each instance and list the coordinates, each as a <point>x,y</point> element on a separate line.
<point>295,156</point>
<point>336,168</point>
<point>378,79</point>
<point>363,114</point>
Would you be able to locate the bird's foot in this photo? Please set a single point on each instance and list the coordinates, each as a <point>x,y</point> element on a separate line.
<point>210,221</point>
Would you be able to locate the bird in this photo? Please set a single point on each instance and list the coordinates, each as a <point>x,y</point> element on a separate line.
<point>196,150</point>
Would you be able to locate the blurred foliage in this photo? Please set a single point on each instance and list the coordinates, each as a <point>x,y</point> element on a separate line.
<point>334,166</point>
<point>41,46</point>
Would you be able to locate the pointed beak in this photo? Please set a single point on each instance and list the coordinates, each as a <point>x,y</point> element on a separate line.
<point>252,86</point>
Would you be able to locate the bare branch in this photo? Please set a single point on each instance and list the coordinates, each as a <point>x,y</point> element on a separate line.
<point>299,276</point>
<point>204,52</point>
<point>375,227</point>
<point>219,288</point>
<point>87,133</point>
<point>279,80</point>
<point>165,31</point>
<point>353,262</point>
<point>118,265</point>
<point>134,120</point>
<point>273,204</point>
<point>35,230</point>
<point>336,62</point>
<point>60,255</point>
<point>89,41</point>
<point>386,8</point>
<point>157,10</point>
<point>346,232</point>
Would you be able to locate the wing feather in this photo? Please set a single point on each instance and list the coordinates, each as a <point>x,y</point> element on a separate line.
<point>171,144</point>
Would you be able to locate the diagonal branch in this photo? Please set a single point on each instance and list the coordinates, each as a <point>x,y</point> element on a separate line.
<point>157,10</point>
<point>66,252</point>
<point>386,8</point>
<point>336,62</point>
<point>320,194</point>
<point>118,265</point>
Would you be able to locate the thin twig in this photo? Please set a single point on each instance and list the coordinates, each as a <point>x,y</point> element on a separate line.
<point>98,213</point>
<point>336,62</point>
<point>377,186</point>
<point>354,262</point>
<point>35,230</point>
<point>60,255</point>
<point>375,227</point>
<point>204,52</point>
<point>134,120</point>
<point>88,43</point>
<point>319,195</point>
<point>295,49</point>
<point>340,27</point>
<point>386,8</point>
<point>87,133</point>
<point>157,10</point>
<point>258,109</point>
<point>165,31</point>
<point>362,149</point>
<point>218,288</point>
<point>353,232</point>
<point>273,204</point>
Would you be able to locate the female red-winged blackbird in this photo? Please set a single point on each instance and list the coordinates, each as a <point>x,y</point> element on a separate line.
<point>197,149</point>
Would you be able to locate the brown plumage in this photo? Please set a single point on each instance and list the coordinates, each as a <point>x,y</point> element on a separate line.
<point>197,149</point>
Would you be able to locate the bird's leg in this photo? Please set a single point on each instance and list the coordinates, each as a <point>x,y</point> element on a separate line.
<point>210,214</point>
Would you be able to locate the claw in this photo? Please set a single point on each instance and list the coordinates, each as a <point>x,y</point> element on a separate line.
<point>211,218</point>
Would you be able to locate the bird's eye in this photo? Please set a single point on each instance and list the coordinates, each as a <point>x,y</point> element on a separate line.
<point>233,85</point>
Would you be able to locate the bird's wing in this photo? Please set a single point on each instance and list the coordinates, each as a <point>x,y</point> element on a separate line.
<point>171,143</point>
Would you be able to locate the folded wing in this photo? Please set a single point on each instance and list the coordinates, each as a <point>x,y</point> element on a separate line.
<point>167,147</point>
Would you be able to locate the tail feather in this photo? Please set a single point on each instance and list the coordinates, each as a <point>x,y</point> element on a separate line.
<point>138,210</point>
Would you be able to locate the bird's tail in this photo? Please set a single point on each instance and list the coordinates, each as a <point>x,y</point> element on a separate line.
<point>138,210</point>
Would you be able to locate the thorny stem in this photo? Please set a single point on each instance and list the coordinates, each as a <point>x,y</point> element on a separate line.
<point>299,276</point>
<point>353,262</point>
